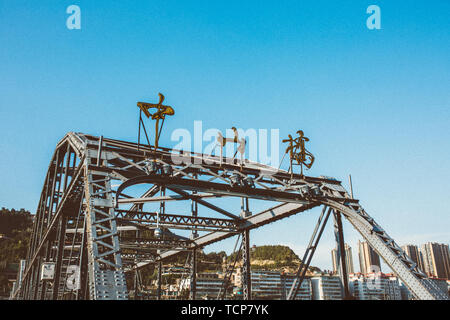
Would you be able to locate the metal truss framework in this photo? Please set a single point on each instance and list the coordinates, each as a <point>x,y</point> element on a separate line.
<point>91,228</point>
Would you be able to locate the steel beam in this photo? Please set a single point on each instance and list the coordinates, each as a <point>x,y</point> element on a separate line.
<point>392,254</point>
<point>59,256</point>
<point>341,254</point>
<point>106,277</point>
<point>246,272</point>
<point>158,290</point>
<point>309,253</point>
<point>193,275</point>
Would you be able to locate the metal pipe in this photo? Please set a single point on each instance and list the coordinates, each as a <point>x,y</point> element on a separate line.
<point>100,147</point>
<point>350,184</point>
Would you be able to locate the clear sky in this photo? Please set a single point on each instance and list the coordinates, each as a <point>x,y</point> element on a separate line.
<point>375,103</point>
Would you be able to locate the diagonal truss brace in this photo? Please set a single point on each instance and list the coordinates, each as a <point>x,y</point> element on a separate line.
<point>416,281</point>
<point>309,253</point>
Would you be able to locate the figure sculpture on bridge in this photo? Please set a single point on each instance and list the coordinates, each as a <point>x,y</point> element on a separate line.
<point>297,151</point>
<point>239,142</point>
<point>161,112</point>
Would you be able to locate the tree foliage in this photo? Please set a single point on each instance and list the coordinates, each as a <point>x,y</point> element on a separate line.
<point>12,221</point>
<point>277,253</point>
<point>15,227</point>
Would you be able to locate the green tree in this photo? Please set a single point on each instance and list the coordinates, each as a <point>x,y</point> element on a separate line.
<point>15,227</point>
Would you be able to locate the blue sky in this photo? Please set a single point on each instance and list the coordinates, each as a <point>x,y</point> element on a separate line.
<point>375,103</point>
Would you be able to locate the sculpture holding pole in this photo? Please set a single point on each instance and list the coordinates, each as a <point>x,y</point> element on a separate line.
<point>297,151</point>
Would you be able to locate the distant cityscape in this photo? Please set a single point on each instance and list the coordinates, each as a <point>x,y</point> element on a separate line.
<point>372,284</point>
<point>368,284</point>
<point>272,272</point>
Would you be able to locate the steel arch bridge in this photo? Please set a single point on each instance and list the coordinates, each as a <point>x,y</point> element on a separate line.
<point>87,205</point>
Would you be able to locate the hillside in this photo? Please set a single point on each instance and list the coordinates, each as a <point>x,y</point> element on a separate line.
<point>15,230</point>
<point>275,257</point>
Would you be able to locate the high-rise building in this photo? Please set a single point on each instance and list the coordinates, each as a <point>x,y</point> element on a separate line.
<point>304,291</point>
<point>326,287</point>
<point>266,284</point>
<point>414,253</point>
<point>273,284</point>
<point>436,260</point>
<point>348,259</point>
<point>374,286</point>
<point>369,260</point>
<point>208,285</point>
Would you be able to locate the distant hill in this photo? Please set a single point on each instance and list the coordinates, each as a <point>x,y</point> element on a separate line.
<point>15,228</point>
<point>276,253</point>
<point>273,257</point>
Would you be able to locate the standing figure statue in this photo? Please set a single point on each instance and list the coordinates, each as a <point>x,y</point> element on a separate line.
<point>297,151</point>
<point>161,112</point>
<point>239,142</point>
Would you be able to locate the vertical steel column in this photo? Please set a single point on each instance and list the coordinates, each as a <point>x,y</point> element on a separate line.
<point>340,252</point>
<point>66,171</point>
<point>74,277</point>
<point>56,178</point>
<point>106,276</point>
<point>59,255</point>
<point>36,278</point>
<point>82,278</point>
<point>158,290</point>
<point>30,282</point>
<point>230,269</point>
<point>193,275</point>
<point>99,154</point>
<point>193,264</point>
<point>351,185</point>
<point>246,273</point>
<point>194,212</point>
<point>135,284</point>
<point>245,210</point>
<point>283,286</point>
<point>47,255</point>
<point>27,282</point>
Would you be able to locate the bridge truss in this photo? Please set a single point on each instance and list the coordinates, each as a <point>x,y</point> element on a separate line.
<point>106,210</point>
